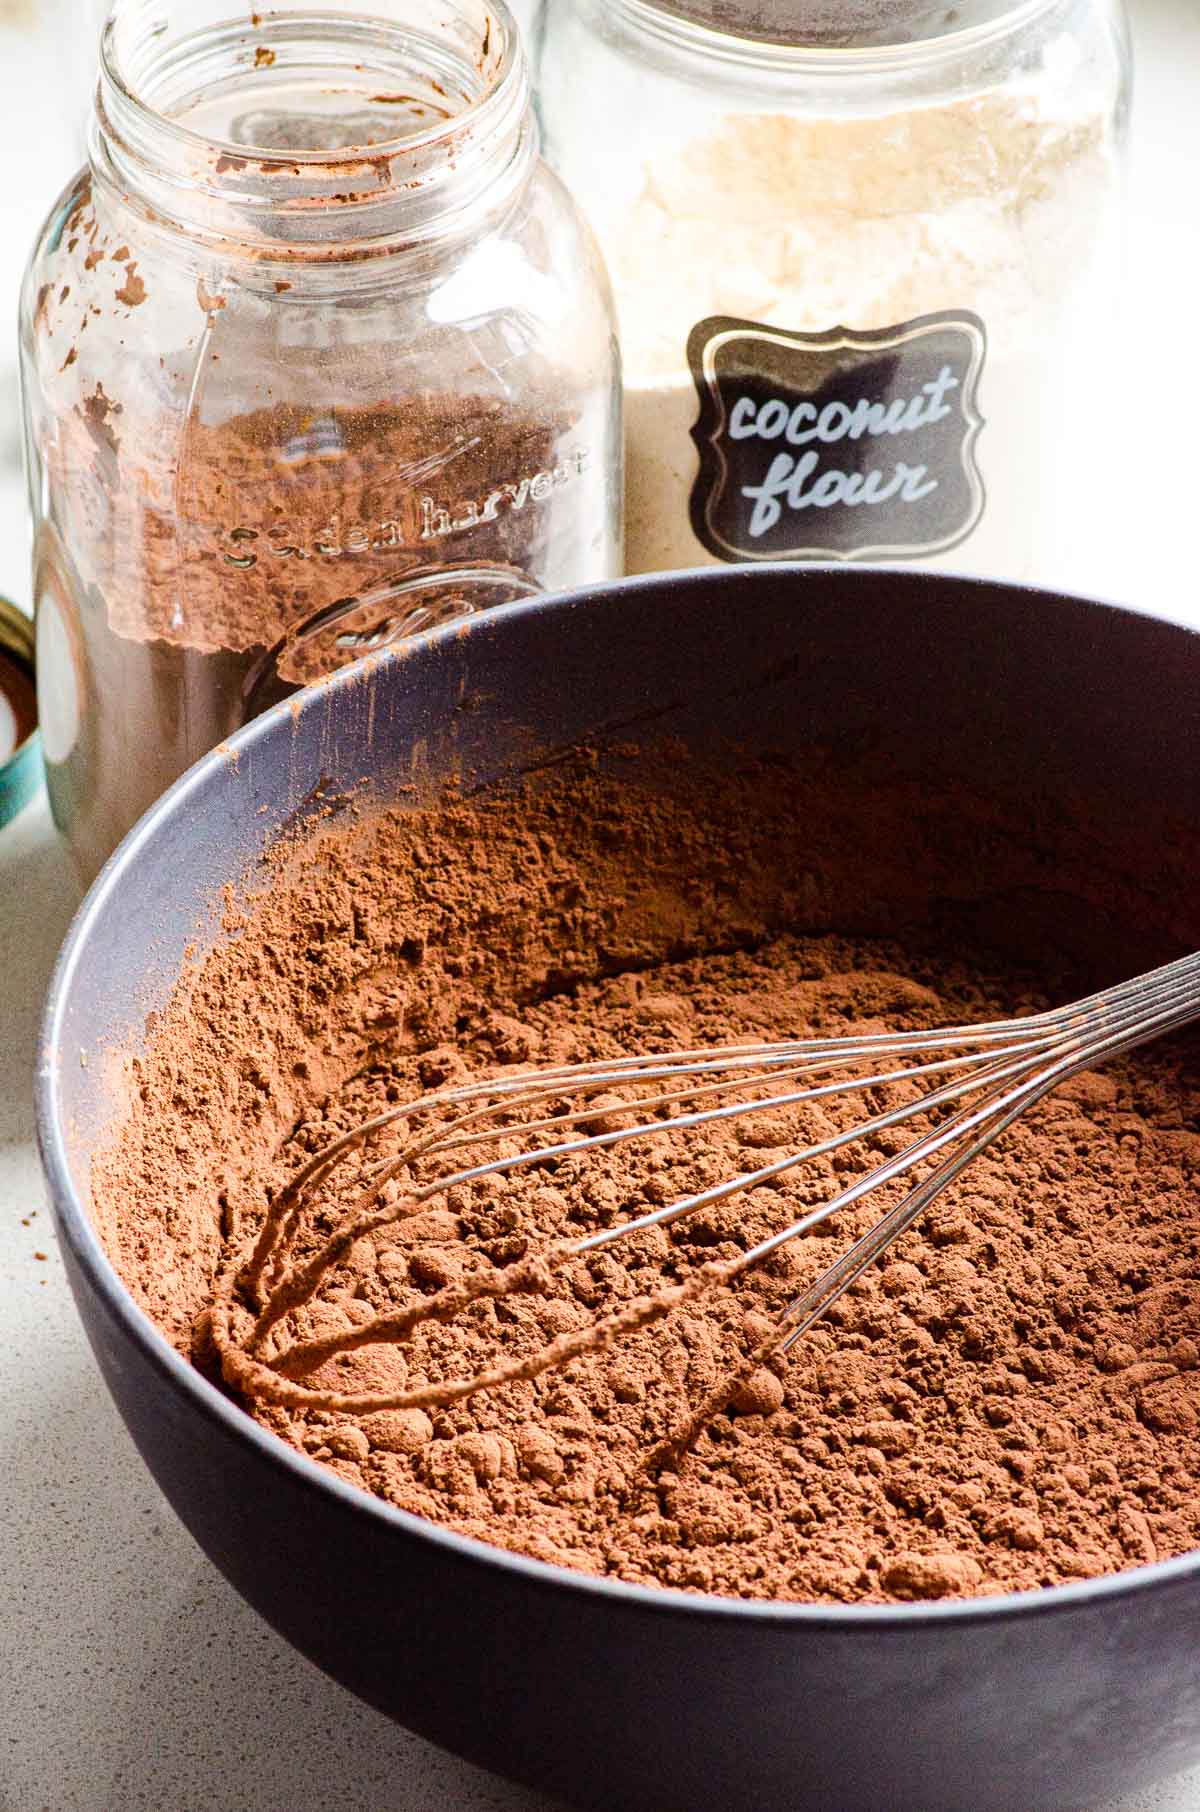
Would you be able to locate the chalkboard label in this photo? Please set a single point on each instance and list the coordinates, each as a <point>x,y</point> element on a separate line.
<point>839,445</point>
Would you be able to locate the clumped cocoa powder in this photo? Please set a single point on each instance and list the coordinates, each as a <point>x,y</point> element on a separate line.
<point>1012,1400</point>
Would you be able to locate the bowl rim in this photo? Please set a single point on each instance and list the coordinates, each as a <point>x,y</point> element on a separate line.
<point>88,1250</point>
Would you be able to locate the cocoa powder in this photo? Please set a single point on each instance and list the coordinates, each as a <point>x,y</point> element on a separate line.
<point>202,568</point>
<point>252,477</point>
<point>1011,1401</point>
<point>225,535</point>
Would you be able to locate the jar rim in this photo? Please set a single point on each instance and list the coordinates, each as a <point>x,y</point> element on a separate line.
<point>495,78</point>
<point>325,201</point>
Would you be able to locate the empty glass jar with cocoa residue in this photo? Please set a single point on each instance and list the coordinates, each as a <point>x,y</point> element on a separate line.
<point>316,354</point>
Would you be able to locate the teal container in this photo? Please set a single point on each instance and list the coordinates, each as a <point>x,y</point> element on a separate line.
<point>21,774</point>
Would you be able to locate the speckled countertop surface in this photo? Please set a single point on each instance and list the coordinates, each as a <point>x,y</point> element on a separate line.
<point>131,1676</point>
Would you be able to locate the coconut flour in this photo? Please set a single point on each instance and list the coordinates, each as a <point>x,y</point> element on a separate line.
<point>993,208</point>
<point>1011,1400</point>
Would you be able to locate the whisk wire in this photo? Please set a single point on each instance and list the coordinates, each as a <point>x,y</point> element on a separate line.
<point>987,1074</point>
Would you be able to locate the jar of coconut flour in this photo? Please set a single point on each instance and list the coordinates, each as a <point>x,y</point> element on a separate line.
<point>317,353</point>
<point>864,260</point>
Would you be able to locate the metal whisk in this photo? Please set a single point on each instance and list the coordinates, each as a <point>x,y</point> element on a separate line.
<point>975,1080</point>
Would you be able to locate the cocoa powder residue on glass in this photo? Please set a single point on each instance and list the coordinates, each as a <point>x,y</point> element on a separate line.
<point>224,536</point>
<point>1012,1400</point>
<point>229,560</point>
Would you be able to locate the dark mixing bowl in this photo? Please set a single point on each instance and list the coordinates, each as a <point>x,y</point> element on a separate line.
<point>612,1695</point>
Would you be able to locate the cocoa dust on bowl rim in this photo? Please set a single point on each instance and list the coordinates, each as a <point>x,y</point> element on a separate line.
<point>1064,1698</point>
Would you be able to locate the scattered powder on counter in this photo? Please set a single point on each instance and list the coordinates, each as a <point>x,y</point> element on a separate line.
<point>1012,1400</point>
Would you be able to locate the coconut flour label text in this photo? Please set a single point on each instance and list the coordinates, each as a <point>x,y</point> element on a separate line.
<point>839,445</point>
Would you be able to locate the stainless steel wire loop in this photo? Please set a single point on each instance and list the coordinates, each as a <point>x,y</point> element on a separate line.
<point>971,1081</point>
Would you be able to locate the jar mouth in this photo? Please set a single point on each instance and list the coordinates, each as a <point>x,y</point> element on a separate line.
<point>183,81</point>
<point>306,121</point>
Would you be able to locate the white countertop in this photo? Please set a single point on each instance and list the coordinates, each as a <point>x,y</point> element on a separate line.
<point>133,1676</point>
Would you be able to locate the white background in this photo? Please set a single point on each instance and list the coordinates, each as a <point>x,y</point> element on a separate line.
<point>131,1677</point>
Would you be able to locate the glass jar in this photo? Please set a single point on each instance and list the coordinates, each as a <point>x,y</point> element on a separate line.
<point>316,353</point>
<point>865,260</point>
